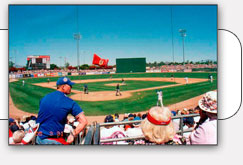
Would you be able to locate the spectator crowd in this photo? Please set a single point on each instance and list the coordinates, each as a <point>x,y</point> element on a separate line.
<point>159,125</point>
<point>55,73</point>
<point>22,131</point>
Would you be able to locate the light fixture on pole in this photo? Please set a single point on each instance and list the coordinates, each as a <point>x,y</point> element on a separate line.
<point>183,35</point>
<point>60,61</point>
<point>65,63</point>
<point>77,37</point>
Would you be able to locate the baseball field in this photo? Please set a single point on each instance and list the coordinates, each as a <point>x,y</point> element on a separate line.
<point>138,92</point>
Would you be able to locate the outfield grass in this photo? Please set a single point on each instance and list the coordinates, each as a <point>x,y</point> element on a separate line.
<point>127,75</point>
<point>130,85</point>
<point>27,98</point>
<point>141,101</point>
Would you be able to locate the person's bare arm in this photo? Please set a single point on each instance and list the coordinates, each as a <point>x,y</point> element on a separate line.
<point>82,124</point>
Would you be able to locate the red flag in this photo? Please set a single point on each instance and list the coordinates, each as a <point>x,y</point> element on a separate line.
<point>96,59</point>
<point>99,61</point>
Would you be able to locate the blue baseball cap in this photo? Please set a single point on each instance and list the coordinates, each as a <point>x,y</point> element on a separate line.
<point>109,119</point>
<point>10,120</point>
<point>174,113</point>
<point>14,128</point>
<point>33,118</point>
<point>64,80</point>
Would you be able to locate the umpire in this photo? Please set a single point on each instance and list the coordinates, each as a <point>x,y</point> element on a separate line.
<point>86,89</point>
<point>53,112</point>
<point>118,90</point>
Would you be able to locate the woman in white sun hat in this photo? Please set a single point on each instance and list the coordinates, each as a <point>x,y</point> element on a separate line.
<point>206,130</point>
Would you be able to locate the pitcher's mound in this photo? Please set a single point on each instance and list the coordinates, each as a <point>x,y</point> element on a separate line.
<point>115,84</point>
<point>100,96</point>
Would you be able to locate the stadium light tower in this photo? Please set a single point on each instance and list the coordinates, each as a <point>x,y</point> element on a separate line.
<point>60,61</point>
<point>77,37</point>
<point>183,35</point>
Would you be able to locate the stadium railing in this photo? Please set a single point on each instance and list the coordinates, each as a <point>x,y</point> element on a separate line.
<point>89,136</point>
<point>94,135</point>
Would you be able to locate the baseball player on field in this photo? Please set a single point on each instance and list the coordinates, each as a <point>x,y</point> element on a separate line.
<point>23,82</point>
<point>211,78</point>
<point>160,98</point>
<point>186,79</point>
<point>123,82</point>
<point>86,89</point>
<point>118,90</point>
<point>171,77</point>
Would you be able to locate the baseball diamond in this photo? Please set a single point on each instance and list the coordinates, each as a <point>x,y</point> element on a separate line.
<point>117,77</point>
<point>139,93</point>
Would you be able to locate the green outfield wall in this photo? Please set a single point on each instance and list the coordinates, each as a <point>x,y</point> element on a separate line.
<point>130,65</point>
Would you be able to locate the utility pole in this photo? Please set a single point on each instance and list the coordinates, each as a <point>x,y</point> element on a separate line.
<point>183,35</point>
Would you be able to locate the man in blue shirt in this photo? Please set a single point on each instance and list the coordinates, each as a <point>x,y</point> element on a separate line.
<point>53,112</point>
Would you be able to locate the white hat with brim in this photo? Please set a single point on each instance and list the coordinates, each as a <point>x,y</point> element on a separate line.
<point>209,98</point>
<point>26,126</point>
<point>68,128</point>
<point>32,124</point>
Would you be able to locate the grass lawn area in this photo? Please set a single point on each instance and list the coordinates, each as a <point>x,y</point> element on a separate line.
<point>130,85</point>
<point>128,75</point>
<point>27,97</point>
<point>141,101</point>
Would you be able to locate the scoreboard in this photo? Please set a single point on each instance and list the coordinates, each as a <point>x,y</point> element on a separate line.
<point>37,62</point>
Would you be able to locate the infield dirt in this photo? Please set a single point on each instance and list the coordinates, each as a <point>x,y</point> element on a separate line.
<point>14,112</point>
<point>110,95</point>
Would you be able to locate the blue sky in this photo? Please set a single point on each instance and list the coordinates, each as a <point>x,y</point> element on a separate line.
<point>112,32</point>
